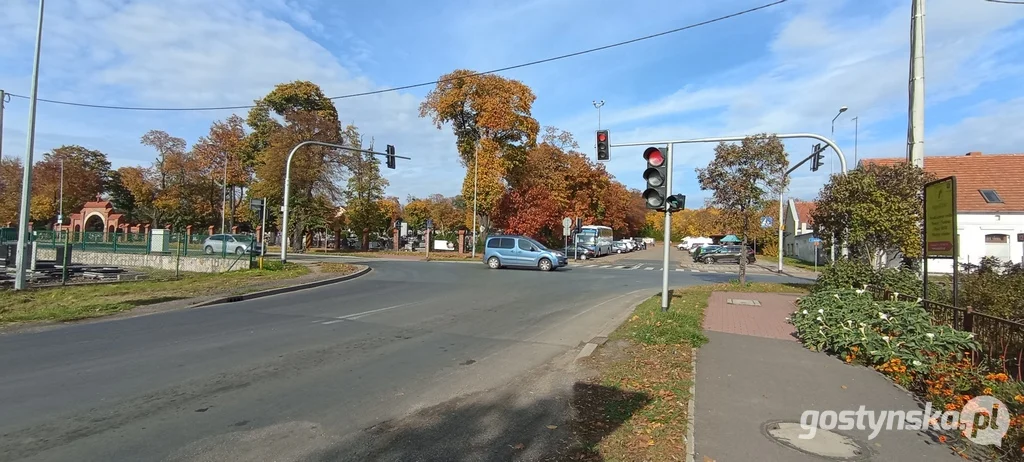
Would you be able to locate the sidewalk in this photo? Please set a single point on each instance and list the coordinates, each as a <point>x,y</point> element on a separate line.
<point>754,371</point>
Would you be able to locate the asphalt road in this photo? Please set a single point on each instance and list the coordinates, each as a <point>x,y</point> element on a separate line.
<point>294,375</point>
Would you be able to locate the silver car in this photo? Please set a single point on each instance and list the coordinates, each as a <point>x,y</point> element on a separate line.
<point>237,244</point>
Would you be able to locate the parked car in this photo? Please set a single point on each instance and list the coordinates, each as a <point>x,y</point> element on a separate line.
<point>697,252</point>
<point>640,244</point>
<point>237,244</point>
<point>620,247</point>
<point>513,250</point>
<point>727,254</point>
<point>582,252</point>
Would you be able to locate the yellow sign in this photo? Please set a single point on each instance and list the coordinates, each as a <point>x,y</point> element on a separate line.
<point>940,217</point>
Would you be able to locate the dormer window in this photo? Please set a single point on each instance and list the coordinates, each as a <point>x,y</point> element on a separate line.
<point>991,196</point>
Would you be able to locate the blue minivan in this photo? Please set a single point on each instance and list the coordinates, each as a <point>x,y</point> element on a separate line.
<point>510,250</point>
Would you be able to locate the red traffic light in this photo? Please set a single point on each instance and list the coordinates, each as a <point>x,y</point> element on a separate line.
<point>654,157</point>
<point>602,137</point>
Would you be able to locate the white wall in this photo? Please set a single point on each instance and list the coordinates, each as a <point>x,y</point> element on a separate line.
<point>793,243</point>
<point>972,229</point>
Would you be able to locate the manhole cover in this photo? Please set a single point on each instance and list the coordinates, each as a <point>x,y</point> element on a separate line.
<point>824,443</point>
<point>737,301</point>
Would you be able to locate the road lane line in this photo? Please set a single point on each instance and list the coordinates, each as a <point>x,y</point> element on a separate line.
<point>354,316</point>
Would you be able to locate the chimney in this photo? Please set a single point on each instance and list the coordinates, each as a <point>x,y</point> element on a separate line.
<point>974,154</point>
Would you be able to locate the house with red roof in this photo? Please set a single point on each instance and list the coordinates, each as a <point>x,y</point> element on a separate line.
<point>799,228</point>
<point>989,201</point>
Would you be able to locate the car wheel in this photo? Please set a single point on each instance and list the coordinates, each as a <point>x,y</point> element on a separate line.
<point>208,250</point>
<point>708,260</point>
<point>493,263</point>
<point>545,264</point>
<point>583,257</point>
<point>239,250</point>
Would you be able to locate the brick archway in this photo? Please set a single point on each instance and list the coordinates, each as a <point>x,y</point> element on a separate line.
<point>101,209</point>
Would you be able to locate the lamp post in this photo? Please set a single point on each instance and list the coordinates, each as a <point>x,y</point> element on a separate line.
<point>832,248</point>
<point>856,130</point>
<point>597,105</point>
<point>26,181</point>
<point>476,168</point>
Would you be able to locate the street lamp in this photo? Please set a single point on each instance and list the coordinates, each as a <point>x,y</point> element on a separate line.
<point>597,105</point>
<point>832,250</point>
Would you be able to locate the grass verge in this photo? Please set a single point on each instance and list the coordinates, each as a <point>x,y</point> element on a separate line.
<point>645,373</point>
<point>88,301</point>
<point>790,261</point>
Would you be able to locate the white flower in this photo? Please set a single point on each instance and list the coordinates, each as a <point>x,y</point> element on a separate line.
<point>863,324</point>
<point>787,318</point>
<point>849,322</point>
<point>882,316</point>
<point>860,291</point>
<point>916,362</point>
<point>885,337</point>
<point>929,335</point>
<point>836,296</point>
<point>919,299</point>
<point>819,318</point>
<point>805,311</point>
<point>821,311</point>
<point>970,335</point>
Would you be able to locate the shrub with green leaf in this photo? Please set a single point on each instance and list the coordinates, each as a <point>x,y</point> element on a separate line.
<point>851,324</point>
<point>847,274</point>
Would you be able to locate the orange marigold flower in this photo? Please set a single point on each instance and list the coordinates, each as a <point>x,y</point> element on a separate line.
<point>942,438</point>
<point>951,407</point>
<point>1019,399</point>
<point>986,391</point>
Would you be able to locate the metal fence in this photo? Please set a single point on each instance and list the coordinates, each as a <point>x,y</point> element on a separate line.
<point>1001,340</point>
<point>144,243</point>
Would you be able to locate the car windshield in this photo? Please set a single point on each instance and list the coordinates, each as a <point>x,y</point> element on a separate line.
<point>538,244</point>
<point>242,237</point>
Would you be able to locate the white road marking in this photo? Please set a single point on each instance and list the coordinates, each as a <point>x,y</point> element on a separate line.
<point>649,268</point>
<point>365,313</point>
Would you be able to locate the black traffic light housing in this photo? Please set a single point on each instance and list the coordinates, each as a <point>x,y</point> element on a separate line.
<point>656,176</point>
<point>602,145</point>
<point>817,157</point>
<point>676,202</point>
<point>391,156</point>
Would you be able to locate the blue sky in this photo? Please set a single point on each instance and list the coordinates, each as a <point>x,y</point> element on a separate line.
<point>785,69</point>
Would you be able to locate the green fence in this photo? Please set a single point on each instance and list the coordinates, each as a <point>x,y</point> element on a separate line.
<point>167,243</point>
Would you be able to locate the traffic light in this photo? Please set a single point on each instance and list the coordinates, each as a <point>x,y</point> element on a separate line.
<point>602,145</point>
<point>817,157</point>
<point>676,202</point>
<point>656,176</point>
<point>391,156</point>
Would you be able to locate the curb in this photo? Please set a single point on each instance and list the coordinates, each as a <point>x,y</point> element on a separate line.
<point>281,290</point>
<point>602,337</point>
<point>691,441</point>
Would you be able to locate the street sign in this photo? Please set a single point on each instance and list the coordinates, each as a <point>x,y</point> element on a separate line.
<point>1020,237</point>
<point>566,231</point>
<point>430,223</point>
<point>256,203</point>
<point>566,222</point>
<point>814,240</point>
<point>766,222</point>
<point>940,217</point>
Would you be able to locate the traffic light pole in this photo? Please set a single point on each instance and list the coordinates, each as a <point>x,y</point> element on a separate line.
<point>668,232</point>
<point>782,209</point>
<point>287,183</point>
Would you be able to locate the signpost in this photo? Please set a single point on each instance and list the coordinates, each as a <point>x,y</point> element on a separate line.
<point>940,233</point>
<point>766,222</point>
<point>817,243</point>
<point>430,226</point>
<point>566,231</point>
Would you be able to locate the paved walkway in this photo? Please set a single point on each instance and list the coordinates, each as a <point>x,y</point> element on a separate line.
<point>753,371</point>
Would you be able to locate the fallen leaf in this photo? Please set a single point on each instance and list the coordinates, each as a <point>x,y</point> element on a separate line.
<point>844,387</point>
<point>519,446</point>
<point>552,427</point>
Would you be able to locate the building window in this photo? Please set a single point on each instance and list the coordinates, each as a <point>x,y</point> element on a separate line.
<point>998,246</point>
<point>991,196</point>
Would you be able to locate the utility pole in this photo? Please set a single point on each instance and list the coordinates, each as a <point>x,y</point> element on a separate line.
<point>223,198</point>
<point>26,182</point>
<point>476,162</point>
<point>60,203</point>
<point>915,129</point>
<point>3,99</point>
<point>856,130</point>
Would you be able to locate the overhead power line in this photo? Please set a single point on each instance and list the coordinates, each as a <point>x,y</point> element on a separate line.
<point>433,82</point>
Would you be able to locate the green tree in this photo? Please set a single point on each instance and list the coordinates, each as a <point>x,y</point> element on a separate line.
<point>876,209</point>
<point>86,173</point>
<point>364,195</point>
<point>743,179</point>
<point>121,197</point>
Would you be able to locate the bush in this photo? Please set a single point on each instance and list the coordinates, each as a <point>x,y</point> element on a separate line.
<point>851,324</point>
<point>846,274</point>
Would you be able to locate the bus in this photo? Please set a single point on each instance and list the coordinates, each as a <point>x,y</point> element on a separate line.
<point>598,237</point>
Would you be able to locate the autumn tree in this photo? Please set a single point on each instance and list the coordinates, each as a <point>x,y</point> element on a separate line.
<point>743,179</point>
<point>10,189</point>
<point>491,117</point>
<point>876,209</point>
<point>138,186</point>
<point>416,212</point>
<point>290,114</point>
<point>171,174</point>
<point>86,174</point>
<point>222,164</point>
<point>121,197</point>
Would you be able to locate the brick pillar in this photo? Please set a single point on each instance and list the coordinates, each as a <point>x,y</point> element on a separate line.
<point>259,234</point>
<point>462,241</point>
<point>234,230</point>
<point>210,230</point>
<point>366,239</point>
<point>398,242</point>
<point>188,235</point>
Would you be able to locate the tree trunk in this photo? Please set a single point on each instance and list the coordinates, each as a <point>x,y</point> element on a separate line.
<point>743,250</point>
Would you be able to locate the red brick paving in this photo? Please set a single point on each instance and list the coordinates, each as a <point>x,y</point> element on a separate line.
<point>767,320</point>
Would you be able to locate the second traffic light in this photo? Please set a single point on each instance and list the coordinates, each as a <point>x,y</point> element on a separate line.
<point>602,145</point>
<point>676,202</point>
<point>391,156</point>
<point>817,157</point>
<point>656,176</point>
